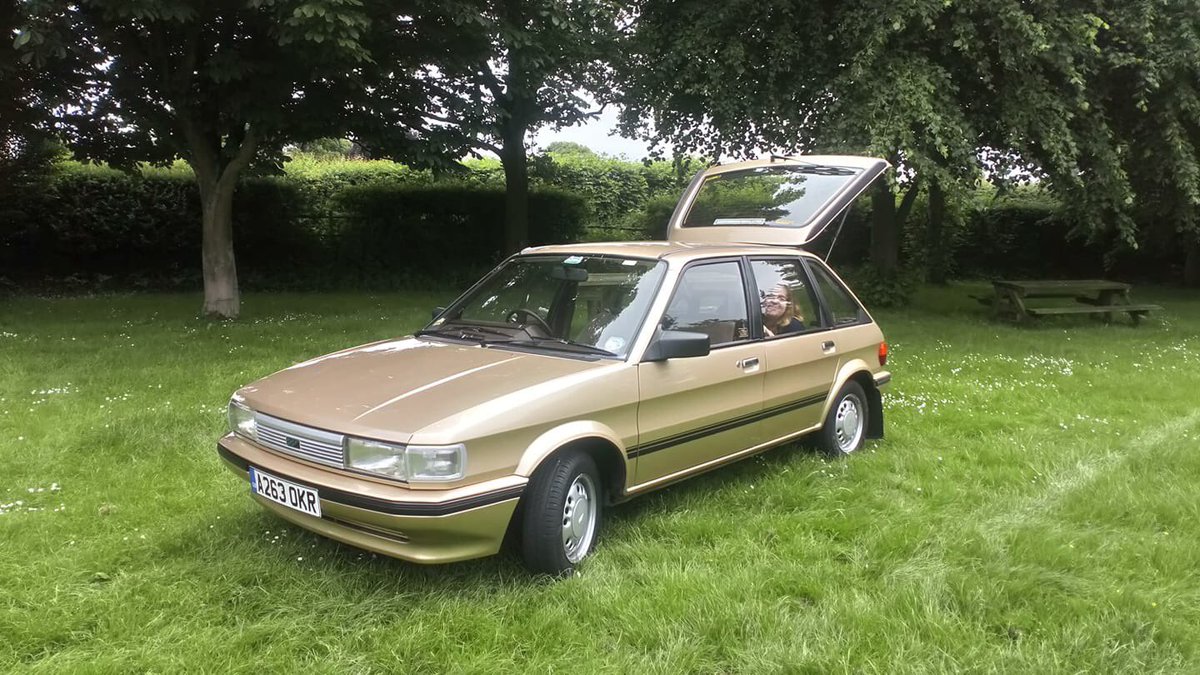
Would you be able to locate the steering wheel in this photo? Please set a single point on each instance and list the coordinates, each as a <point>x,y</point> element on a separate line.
<point>515,316</point>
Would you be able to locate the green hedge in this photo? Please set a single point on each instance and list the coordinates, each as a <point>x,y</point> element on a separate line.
<point>1024,234</point>
<point>433,231</point>
<point>624,197</point>
<point>89,224</point>
<point>615,191</point>
<point>369,223</point>
<point>1024,238</point>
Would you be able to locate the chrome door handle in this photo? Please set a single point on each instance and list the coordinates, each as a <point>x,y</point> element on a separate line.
<point>748,363</point>
<point>827,346</point>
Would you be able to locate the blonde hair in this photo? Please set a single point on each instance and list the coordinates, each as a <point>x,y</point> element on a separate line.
<point>792,311</point>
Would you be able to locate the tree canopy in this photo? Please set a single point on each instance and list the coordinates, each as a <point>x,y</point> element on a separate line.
<point>222,84</point>
<point>1095,98</point>
<point>1076,94</point>
<point>1147,84</point>
<point>512,67</point>
<point>29,89</point>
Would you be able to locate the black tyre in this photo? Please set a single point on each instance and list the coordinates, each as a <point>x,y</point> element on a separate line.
<point>561,514</point>
<point>845,426</point>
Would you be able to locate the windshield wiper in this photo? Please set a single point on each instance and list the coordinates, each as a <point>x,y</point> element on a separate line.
<point>485,330</point>
<point>468,332</point>
<point>571,346</point>
<point>454,333</point>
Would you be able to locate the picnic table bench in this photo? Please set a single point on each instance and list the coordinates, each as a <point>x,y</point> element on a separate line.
<point>1090,296</point>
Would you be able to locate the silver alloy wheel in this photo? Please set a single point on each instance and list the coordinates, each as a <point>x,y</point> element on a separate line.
<point>848,423</point>
<point>579,518</point>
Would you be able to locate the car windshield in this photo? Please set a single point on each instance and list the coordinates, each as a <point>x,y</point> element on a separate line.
<point>584,304</point>
<point>774,196</point>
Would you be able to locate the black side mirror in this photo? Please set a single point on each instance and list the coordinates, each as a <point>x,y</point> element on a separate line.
<point>677,344</point>
<point>436,312</point>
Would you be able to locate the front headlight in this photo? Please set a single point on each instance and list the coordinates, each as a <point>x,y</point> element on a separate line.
<point>376,457</point>
<point>413,463</point>
<point>241,420</point>
<point>436,462</point>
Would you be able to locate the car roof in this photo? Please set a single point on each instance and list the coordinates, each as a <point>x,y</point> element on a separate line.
<point>663,250</point>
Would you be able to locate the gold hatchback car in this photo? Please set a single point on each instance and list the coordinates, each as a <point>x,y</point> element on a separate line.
<point>574,377</point>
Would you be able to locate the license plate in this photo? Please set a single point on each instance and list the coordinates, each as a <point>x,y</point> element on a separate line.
<point>303,499</point>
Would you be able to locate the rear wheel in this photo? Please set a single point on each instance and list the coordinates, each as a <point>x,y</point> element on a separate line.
<point>846,423</point>
<point>562,513</point>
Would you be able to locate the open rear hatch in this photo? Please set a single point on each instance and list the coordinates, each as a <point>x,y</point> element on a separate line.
<point>783,201</point>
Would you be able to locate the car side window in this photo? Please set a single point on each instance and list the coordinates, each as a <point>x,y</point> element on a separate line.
<point>710,299</point>
<point>843,309</point>
<point>788,303</point>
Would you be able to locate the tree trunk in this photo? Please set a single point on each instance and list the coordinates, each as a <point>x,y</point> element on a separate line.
<point>935,249</point>
<point>217,182</point>
<point>516,191</point>
<point>885,250</point>
<point>1191,266</point>
<point>221,298</point>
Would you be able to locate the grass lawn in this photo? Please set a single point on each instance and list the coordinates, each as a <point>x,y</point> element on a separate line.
<point>1034,508</point>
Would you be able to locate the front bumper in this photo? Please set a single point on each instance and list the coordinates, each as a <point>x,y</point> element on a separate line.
<point>424,526</point>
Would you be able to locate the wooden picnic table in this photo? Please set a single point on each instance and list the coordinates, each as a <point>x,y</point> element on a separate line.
<point>1089,296</point>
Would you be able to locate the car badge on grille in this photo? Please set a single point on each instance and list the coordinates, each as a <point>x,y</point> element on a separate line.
<point>293,443</point>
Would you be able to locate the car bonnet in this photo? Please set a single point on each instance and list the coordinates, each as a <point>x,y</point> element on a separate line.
<point>391,389</point>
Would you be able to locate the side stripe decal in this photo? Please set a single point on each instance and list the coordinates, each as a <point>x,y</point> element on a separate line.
<point>696,434</point>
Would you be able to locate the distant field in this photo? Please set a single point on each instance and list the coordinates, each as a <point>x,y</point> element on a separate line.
<point>1035,508</point>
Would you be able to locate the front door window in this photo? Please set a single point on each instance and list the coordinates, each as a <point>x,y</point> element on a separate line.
<point>710,299</point>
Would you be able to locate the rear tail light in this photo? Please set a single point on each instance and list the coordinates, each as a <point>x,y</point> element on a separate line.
<point>883,349</point>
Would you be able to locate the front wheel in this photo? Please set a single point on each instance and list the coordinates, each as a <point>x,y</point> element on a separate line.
<point>846,424</point>
<point>562,514</point>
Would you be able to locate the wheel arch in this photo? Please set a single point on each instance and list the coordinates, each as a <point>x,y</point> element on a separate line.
<point>597,440</point>
<point>856,370</point>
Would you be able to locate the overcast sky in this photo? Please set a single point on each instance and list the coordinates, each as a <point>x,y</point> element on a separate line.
<point>599,135</point>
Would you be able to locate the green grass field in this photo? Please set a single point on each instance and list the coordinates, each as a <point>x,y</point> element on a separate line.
<point>1035,507</point>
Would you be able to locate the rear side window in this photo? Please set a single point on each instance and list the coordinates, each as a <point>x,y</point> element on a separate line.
<point>843,310</point>
<point>785,297</point>
<point>710,299</point>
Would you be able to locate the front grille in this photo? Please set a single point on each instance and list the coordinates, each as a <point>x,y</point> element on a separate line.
<point>315,445</point>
